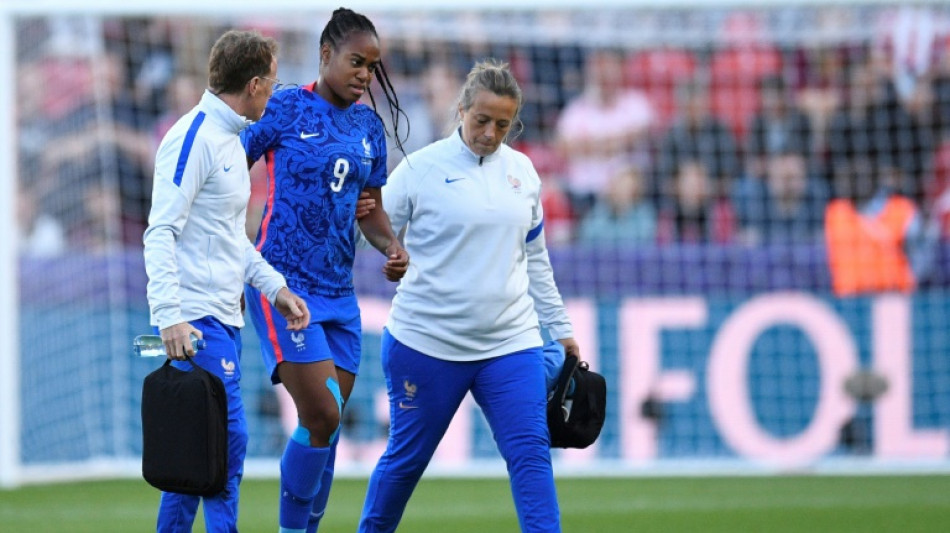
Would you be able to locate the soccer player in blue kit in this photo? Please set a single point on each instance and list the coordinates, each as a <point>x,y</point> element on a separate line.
<point>322,148</point>
<point>198,256</point>
<point>468,315</point>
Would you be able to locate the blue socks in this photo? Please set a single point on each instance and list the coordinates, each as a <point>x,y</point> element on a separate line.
<point>301,468</point>
<point>323,494</point>
<point>306,474</point>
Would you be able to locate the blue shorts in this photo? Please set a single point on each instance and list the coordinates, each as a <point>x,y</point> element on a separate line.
<point>334,332</point>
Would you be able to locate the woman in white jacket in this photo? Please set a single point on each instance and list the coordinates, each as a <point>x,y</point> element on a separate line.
<point>466,316</point>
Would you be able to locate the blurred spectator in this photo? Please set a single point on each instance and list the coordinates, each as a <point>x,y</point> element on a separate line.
<point>601,130</point>
<point>746,57</point>
<point>440,86</point>
<point>658,72</point>
<point>923,139</point>
<point>102,144</point>
<point>875,124</point>
<point>777,125</point>
<point>694,214</point>
<point>696,135</point>
<point>623,216</point>
<point>182,94</point>
<point>880,242</point>
<point>41,235</point>
<point>427,101</point>
<point>850,139</point>
<point>938,182</point>
<point>33,124</point>
<point>941,103</point>
<point>819,81</point>
<point>145,45</point>
<point>103,225</point>
<point>938,197</point>
<point>550,75</point>
<point>558,217</point>
<point>787,206</point>
<point>907,35</point>
<point>415,126</point>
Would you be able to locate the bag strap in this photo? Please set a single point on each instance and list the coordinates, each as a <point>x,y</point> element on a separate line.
<point>191,360</point>
<point>571,363</point>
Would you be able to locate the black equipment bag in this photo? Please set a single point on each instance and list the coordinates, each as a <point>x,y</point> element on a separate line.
<point>575,417</point>
<point>185,431</point>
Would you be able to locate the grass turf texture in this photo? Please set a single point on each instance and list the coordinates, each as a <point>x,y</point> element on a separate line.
<point>773,504</point>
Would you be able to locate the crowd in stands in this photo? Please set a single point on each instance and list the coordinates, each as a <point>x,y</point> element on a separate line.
<point>749,156</point>
<point>743,140</point>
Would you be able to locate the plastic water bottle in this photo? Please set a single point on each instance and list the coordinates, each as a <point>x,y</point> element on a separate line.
<point>568,399</point>
<point>152,345</point>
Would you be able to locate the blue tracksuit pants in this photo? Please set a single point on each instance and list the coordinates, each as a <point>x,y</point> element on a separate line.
<point>425,393</point>
<point>221,356</point>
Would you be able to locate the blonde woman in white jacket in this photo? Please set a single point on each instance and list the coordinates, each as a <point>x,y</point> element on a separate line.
<point>466,316</point>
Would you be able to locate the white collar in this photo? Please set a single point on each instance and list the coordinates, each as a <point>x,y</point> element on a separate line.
<point>456,139</point>
<point>222,113</point>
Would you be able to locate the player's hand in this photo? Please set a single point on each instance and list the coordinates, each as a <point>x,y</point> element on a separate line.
<point>293,309</point>
<point>397,263</point>
<point>177,340</point>
<point>364,205</point>
<point>571,347</point>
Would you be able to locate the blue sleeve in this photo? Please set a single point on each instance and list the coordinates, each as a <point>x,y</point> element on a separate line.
<point>264,135</point>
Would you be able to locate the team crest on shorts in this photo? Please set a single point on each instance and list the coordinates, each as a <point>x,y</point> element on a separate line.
<point>298,338</point>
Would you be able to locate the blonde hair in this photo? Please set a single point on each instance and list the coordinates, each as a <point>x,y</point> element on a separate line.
<point>494,76</point>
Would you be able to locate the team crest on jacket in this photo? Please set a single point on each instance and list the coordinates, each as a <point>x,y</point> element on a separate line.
<point>515,183</point>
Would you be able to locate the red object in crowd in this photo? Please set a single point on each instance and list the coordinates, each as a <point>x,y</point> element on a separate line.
<point>657,73</point>
<point>558,216</point>
<point>735,75</point>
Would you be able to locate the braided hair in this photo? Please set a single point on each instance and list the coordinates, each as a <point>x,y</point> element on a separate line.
<point>345,22</point>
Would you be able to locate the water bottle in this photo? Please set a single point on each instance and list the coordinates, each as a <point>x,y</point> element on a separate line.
<point>152,345</point>
<point>568,399</point>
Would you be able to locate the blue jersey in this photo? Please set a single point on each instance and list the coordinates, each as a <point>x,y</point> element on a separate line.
<point>319,158</point>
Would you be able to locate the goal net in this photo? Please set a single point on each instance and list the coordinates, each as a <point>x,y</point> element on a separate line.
<point>746,211</point>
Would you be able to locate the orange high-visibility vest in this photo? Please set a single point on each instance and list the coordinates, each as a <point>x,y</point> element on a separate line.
<point>866,254</point>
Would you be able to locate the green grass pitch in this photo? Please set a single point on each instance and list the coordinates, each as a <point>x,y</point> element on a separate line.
<point>904,504</point>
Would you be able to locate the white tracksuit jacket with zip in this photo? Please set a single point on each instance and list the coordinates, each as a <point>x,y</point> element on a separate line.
<point>480,280</point>
<point>197,254</point>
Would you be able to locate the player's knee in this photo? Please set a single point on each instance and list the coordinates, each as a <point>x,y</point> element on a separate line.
<point>323,419</point>
<point>319,426</point>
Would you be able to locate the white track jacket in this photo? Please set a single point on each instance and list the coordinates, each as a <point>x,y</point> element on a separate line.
<point>479,277</point>
<point>197,254</point>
